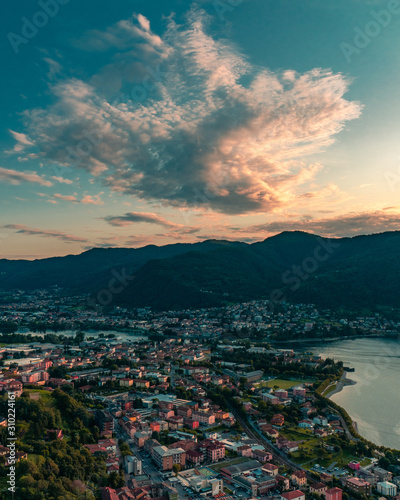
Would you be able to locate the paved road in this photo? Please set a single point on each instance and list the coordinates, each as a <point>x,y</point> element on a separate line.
<point>148,467</point>
<point>279,456</point>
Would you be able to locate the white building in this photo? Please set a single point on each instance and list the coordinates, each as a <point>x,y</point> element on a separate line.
<point>387,489</point>
<point>133,465</point>
<point>199,483</point>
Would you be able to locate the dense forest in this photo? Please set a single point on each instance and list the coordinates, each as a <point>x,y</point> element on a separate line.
<point>56,468</point>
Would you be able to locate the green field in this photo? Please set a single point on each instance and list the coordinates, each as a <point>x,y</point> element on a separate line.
<point>281,383</point>
<point>329,389</point>
<point>310,453</point>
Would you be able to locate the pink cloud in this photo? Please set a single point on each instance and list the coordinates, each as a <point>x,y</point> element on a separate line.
<point>92,200</point>
<point>138,217</point>
<point>62,180</point>
<point>350,224</point>
<point>62,197</point>
<point>15,177</point>
<point>68,238</point>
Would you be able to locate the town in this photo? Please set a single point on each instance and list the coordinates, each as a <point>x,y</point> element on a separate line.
<point>187,404</point>
<point>51,310</point>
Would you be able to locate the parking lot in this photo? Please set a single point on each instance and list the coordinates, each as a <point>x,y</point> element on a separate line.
<point>334,471</point>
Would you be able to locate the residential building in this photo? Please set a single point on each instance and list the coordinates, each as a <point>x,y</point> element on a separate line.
<point>126,382</point>
<point>270,398</point>
<point>140,438</point>
<point>261,455</point>
<point>387,489</point>
<point>166,458</point>
<point>293,495</point>
<point>333,494</point>
<point>215,452</point>
<point>133,465</point>
<point>271,469</point>
<point>299,478</point>
<point>318,488</point>
<point>278,420</point>
<point>382,474</point>
<point>104,421</point>
<point>245,451</point>
<point>358,485</point>
<point>203,417</point>
<point>194,457</point>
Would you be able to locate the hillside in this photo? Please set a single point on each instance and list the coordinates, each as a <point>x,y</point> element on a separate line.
<point>354,272</point>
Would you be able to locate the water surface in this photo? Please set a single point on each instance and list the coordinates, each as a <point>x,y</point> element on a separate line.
<point>374,402</point>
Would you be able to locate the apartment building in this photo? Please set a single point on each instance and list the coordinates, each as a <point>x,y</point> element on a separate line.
<point>166,458</point>
<point>358,485</point>
<point>204,417</point>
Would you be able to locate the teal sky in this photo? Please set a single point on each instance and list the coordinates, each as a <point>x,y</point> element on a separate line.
<point>159,122</point>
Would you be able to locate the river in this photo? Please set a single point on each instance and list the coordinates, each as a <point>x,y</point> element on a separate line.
<point>374,402</point>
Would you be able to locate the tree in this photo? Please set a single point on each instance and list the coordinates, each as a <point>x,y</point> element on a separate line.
<point>176,468</point>
<point>79,337</point>
<point>281,485</point>
<point>383,462</point>
<point>262,405</point>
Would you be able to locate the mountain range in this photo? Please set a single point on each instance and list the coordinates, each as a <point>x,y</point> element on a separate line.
<point>358,272</point>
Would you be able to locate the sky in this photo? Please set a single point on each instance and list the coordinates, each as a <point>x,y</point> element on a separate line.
<point>159,122</point>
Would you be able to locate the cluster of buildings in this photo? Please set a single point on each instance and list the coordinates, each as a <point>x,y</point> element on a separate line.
<point>321,425</point>
<point>367,479</point>
<point>153,395</point>
<point>51,308</point>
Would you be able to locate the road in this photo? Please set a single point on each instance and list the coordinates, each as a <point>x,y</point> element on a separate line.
<point>279,456</point>
<point>147,465</point>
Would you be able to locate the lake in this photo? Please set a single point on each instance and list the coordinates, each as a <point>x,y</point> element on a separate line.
<point>89,333</point>
<point>374,402</point>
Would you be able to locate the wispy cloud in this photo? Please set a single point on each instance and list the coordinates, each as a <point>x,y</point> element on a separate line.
<point>63,197</point>
<point>138,217</point>
<point>22,141</point>
<point>54,67</point>
<point>350,224</point>
<point>68,238</point>
<point>15,177</point>
<point>62,180</point>
<point>73,198</point>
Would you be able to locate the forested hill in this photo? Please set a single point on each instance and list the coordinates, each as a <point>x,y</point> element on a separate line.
<point>358,272</point>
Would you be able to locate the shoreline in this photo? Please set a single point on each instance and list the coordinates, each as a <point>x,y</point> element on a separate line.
<point>332,339</point>
<point>343,382</point>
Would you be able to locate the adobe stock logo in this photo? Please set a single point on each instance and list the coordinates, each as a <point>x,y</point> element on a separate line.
<point>104,297</point>
<point>372,29</point>
<point>40,19</point>
<point>223,6</point>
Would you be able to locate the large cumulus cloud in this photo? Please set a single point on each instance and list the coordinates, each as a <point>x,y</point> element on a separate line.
<point>198,126</point>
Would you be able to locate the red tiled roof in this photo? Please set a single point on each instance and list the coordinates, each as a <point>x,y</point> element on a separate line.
<point>291,495</point>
